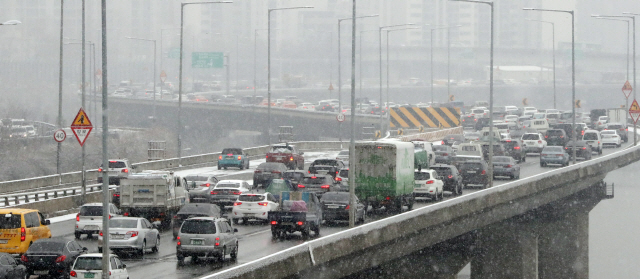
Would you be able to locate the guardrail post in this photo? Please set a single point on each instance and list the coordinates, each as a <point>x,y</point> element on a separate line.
<point>64,192</point>
<point>6,201</point>
<point>73,192</point>
<point>55,194</point>
<point>26,198</point>
<point>46,195</point>
<point>37,199</point>
<point>16,200</point>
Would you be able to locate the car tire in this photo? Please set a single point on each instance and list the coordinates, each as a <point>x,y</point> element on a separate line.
<point>618,145</point>
<point>225,167</point>
<point>234,253</point>
<point>77,235</point>
<point>156,248</point>
<point>180,260</point>
<point>600,151</point>
<point>144,247</point>
<point>235,220</point>
<point>317,230</point>
<point>442,195</point>
<point>255,184</point>
<point>241,166</point>
<point>99,249</point>
<point>219,167</point>
<point>542,164</point>
<point>245,221</point>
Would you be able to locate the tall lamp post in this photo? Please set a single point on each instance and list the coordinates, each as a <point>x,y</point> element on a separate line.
<point>59,122</point>
<point>268,132</point>
<point>154,71</point>
<point>340,72</point>
<point>491,139</point>
<point>380,29</point>
<point>628,31</point>
<point>179,132</point>
<point>573,71</point>
<point>553,52</point>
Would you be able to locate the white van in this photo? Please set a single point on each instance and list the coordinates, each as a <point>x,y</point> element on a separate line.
<point>593,138</point>
<point>541,125</point>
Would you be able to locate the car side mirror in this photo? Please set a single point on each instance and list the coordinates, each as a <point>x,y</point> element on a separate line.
<point>47,222</point>
<point>235,230</point>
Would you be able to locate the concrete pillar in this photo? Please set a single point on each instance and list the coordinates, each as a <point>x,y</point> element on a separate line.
<point>564,246</point>
<point>506,250</point>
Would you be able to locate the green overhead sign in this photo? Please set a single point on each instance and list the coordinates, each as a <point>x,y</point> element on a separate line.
<point>207,60</point>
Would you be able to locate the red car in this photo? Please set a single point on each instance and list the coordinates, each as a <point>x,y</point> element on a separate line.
<point>288,155</point>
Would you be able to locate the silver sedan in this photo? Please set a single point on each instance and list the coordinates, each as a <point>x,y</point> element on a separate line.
<point>131,234</point>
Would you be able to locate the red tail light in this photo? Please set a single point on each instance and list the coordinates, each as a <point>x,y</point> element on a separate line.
<point>116,195</point>
<point>100,233</point>
<point>78,217</point>
<point>300,186</point>
<point>516,147</point>
<point>508,166</point>
<point>239,203</point>
<point>348,206</point>
<point>583,133</point>
<point>205,185</point>
<point>483,172</point>
<point>179,243</point>
<point>290,158</point>
<point>539,141</point>
<point>220,157</point>
<point>388,198</point>
<point>276,172</point>
<point>338,179</point>
<point>584,148</point>
<point>450,176</point>
<point>99,169</point>
<point>125,170</point>
<point>23,234</point>
<point>24,258</point>
<point>217,241</point>
<point>267,156</point>
<point>61,259</point>
<point>442,142</point>
<point>257,171</point>
<point>126,214</point>
<point>445,154</point>
<point>109,216</point>
<point>175,216</point>
<point>263,203</point>
<point>561,137</point>
<point>132,233</point>
<point>300,223</point>
<point>274,222</point>
<point>239,157</point>
<point>325,186</point>
<point>429,182</point>
<point>214,193</point>
<point>73,274</point>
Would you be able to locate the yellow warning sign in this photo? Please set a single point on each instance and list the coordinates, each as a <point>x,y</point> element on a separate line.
<point>378,134</point>
<point>81,120</point>
<point>634,107</point>
<point>330,86</point>
<point>626,89</point>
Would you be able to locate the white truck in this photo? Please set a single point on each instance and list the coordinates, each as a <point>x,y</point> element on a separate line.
<point>384,174</point>
<point>617,115</point>
<point>155,195</point>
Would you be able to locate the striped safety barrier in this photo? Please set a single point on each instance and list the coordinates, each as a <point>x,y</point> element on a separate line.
<point>414,117</point>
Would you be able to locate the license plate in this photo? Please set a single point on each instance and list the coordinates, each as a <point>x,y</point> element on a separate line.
<point>4,241</point>
<point>91,227</point>
<point>287,223</point>
<point>471,171</point>
<point>89,275</point>
<point>279,157</point>
<point>197,242</point>
<point>40,272</point>
<point>590,142</point>
<point>117,236</point>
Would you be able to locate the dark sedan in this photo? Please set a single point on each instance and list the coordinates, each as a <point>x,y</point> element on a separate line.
<point>318,183</point>
<point>506,166</point>
<point>52,256</point>
<point>444,154</point>
<point>193,210</point>
<point>514,149</point>
<point>474,172</point>
<point>335,207</point>
<point>554,155</point>
<point>448,140</point>
<point>266,172</point>
<point>451,178</point>
<point>583,149</point>
<point>10,268</point>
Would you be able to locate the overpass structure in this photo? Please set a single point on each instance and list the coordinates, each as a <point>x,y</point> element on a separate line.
<point>536,227</point>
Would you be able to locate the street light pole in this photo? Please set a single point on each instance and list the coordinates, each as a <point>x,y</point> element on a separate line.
<point>179,132</point>
<point>380,29</point>
<point>491,139</point>
<point>59,150</point>
<point>105,160</point>
<point>267,132</point>
<point>573,71</point>
<point>553,51</point>
<point>635,127</point>
<point>154,71</point>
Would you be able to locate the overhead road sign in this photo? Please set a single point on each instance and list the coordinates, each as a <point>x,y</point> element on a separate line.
<point>626,89</point>
<point>81,126</point>
<point>634,111</point>
<point>207,60</point>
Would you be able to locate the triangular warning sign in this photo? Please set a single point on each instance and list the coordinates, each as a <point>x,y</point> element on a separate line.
<point>81,120</point>
<point>81,133</point>
<point>330,86</point>
<point>626,89</point>
<point>634,107</point>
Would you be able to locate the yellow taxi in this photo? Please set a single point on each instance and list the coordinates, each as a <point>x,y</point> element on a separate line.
<point>19,228</point>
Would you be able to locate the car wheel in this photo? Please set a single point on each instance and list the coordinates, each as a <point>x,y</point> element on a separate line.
<point>219,167</point>
<point>77,235</point>
<point>234,253</point>
<point>245,221</point>
<point>524,158</point>
<point>99,249</point>
<point>618,145</point>
<point>180,260</point>
<point>235,221</point>
<point>542,164</point>
<point>156,248</point>
<point>225,167</point>
<point>143,249</point>
<point>255,184</point>
<point>600,151</point>
<point>241,166</point>
<point>442,195</point>
<point>317,231</point>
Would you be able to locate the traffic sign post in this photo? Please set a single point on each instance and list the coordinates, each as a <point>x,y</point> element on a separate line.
<point>59,135</point>
<point>340,117</point>
<point>634,111</point>
<point>626,89</point>
<point>81,126</point>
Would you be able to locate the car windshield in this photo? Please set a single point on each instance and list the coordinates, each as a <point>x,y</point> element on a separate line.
<point>335,197</point>
<point>555,132</point>
<point>46,246</point>
<point>91,211</point>
<point>590,136</point>
<point>88,263</point>
<point>530,137</point>
<point>227,185</point>
<point>198,227</point>
<point>281,149</point>
<point>123,223</point>
<point>501,159</point>
<point>117,164</point>
<point>251,198</point>
<point>234,151</point>
<point>554,149</point>
<point>344,153</point>
<point>10,221</point>
<point>325,162</point>
<point>422,176</point>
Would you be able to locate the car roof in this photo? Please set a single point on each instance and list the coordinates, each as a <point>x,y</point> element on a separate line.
<point>16,210</point>
<point>205,218</point>
<point>231,181</point>
<point>254,193</point>
<point>94,204</point>
<point>93,255</point>
<point>126,218</point>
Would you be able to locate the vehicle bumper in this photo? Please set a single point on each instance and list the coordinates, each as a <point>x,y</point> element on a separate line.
<point>474,179</point>
<point>503,171</point>
<point>223,200</point>
<point>200,250</point>
<point>200,196</point>
<point>424,192</point>
<point>443,160</point>
<point>336,215</point>
<point>123,244</point>
<point>88,228</point>
<point>610,142</point>
<point>229,163</point>
<point>536,149</point>
<point>244,213</point>
<point>553,160</point>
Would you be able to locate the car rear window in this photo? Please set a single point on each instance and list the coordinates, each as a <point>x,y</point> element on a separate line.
<point>590,136</point>
<point>440,148</point>
<point>555,132</point>
<point>471,165</point>
<point>251,198</point>
<point>227,185</point>
<point>552,149</point>
<point>501,159</point>
<point>614,126</point>
<point>10,221</point>
<point>117,164</point>
<point>335,197</point>
<point>269,166</point>
<point>530,137</point>
<point>46,246</point>
<point>422,176</point>
<point>344,152</point>
<point>234,151</point>
<point>344,173</point>
<point>123,223</point>
<point>196,178</point>
<point>88,263</point>
<point>608,132</point>
<point>91,211</point>
<point>442,171</point>
<point>198,227</point>
<point>282,149</point>
<point>554,116</point>
<point>325,162</point>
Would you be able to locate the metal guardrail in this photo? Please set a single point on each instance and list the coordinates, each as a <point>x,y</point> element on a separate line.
<point>43,195</point>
